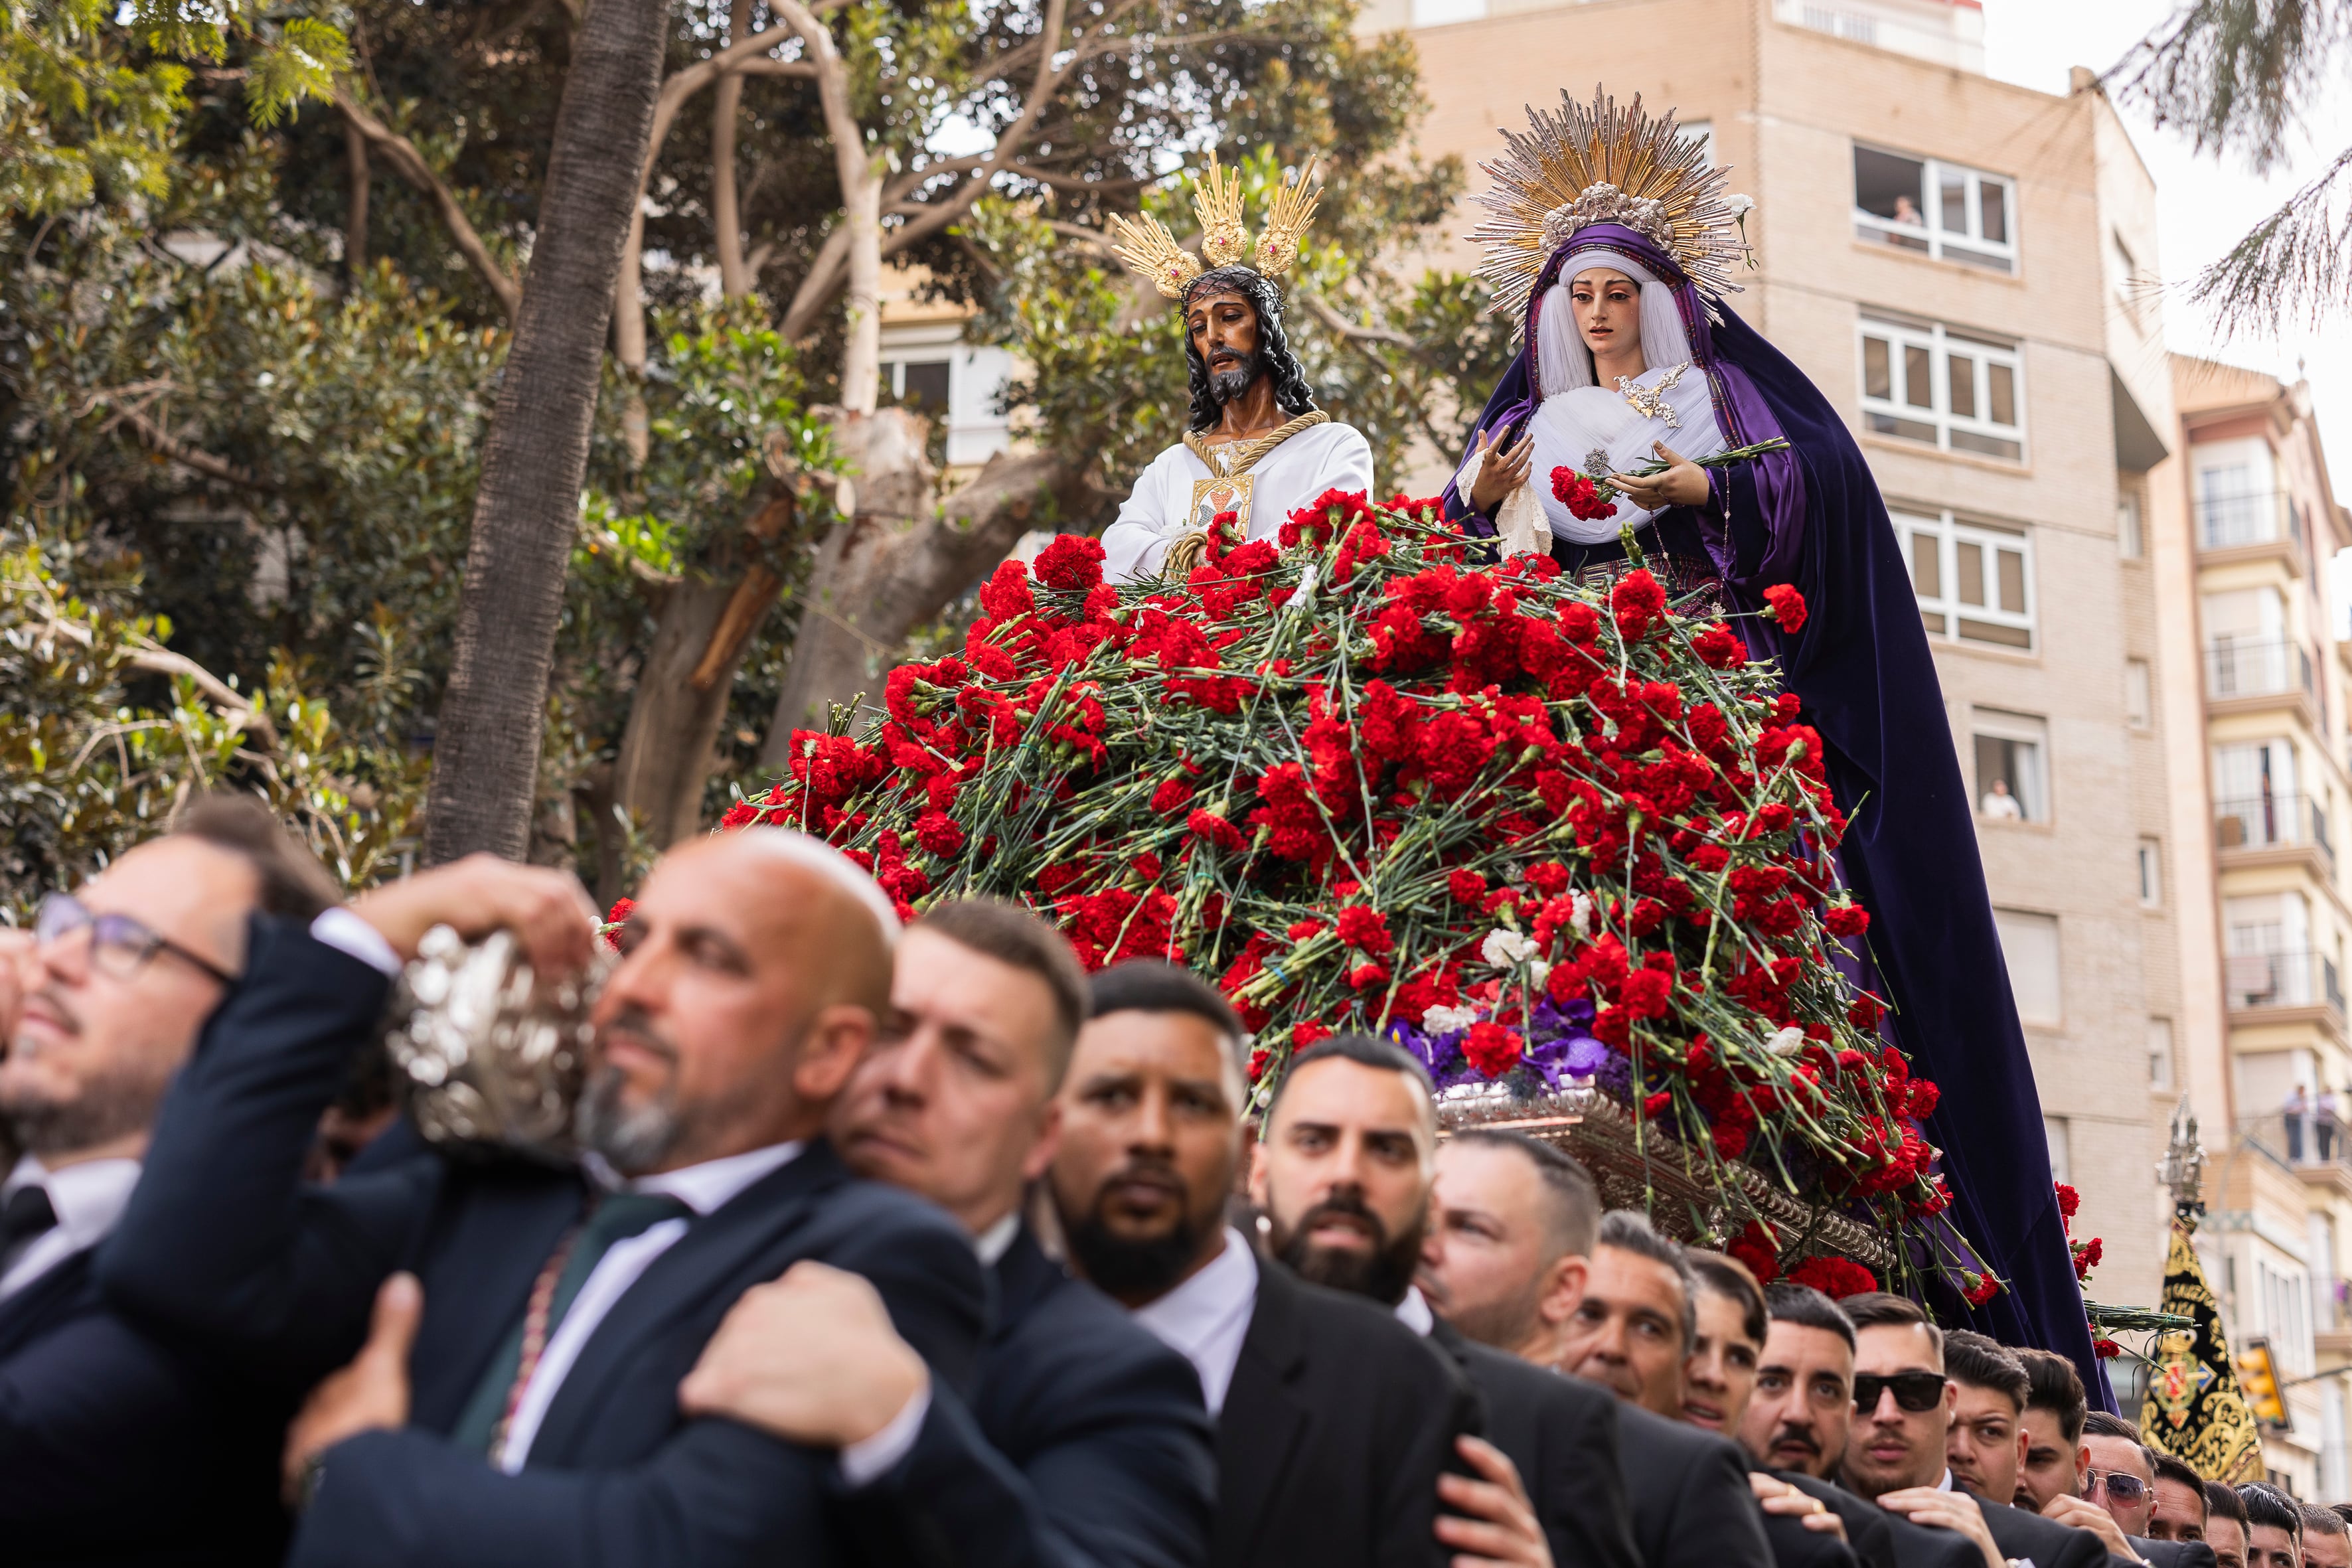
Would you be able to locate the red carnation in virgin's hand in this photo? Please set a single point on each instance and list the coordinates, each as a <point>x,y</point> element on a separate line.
<point>1364,927</point>
<point>1072,563</point>
<point>1580,495</point>
<point>1836,1277</point>
<point>1491,1048</point>
<point>1783,603</point>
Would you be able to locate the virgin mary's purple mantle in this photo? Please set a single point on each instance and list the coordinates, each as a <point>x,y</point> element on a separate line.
<point>1861,665</point>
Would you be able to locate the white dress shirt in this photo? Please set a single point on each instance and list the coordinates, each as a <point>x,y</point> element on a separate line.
<point>1208,1316</point>
<point>1414,1311</point>
<point>702,1188</point>
<point>88,1197</point>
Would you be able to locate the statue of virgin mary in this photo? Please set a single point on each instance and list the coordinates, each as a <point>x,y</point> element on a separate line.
<point>1611,240</point>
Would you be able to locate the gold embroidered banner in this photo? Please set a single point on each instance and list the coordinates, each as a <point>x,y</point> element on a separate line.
<point>2195,1410</point>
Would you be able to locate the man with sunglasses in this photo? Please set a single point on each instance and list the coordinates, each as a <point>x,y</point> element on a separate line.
<point>1896,1452</point>
<point>112,1446</point>
<point>2121,1479</point>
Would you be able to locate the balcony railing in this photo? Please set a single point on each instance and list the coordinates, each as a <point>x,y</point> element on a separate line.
<point>2272,822</point>
<point>2255,668</point>
<point>2311,1139</point>
<point>2226,521</point>
<point>2282,980</point>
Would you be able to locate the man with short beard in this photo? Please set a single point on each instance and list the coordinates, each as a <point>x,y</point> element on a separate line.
<point>1344,1177</point>
<point>511,1336</point>
<point>1255,444</point>
<point>114,1446</point>
<point>1084,1443</point>
<point>1334,1422</point>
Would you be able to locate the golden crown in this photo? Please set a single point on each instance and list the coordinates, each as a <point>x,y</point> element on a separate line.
<point>1600,164</point>
<point>1144,243</point>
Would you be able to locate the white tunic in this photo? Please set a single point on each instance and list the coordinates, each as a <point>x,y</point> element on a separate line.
<point>1321,457</point>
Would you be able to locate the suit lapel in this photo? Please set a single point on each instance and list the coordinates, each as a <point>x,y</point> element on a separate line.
<point>715,1248</point>
<point>43,1304</point>
<point>1264,1418</point>
<point>1024,1277</point>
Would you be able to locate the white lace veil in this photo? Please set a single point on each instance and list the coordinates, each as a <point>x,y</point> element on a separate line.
<point>1562,361</point>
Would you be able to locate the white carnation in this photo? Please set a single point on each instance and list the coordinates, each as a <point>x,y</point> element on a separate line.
<point>1788,1042</point>
<point>1506,949</point>
<point>1448,1020</point>
<point>1739,206</point>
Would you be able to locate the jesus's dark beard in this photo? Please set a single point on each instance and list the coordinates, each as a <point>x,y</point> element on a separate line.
<point>1229,378</point>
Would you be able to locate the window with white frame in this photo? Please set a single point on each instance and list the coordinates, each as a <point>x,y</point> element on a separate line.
<point>1974,579</point>
<point>2059,1136</point>
<point>2029,949</point>
<point>2151,873</point>
<point>2139,696</point>
<point>2131,537</point>
<point>1954,390</point>
<point>2012,779</point>
<point>1935,209</point>
<point>2160,1055</point>
<point>927,367</point>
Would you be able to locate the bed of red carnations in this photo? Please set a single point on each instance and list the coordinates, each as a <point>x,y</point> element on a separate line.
<point>1369,778</point>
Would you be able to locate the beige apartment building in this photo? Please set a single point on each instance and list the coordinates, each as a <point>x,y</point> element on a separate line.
<point>2241,523</point>
<point>1954,260</point>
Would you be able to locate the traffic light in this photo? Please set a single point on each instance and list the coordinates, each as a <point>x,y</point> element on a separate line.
<point>2258,1375</point>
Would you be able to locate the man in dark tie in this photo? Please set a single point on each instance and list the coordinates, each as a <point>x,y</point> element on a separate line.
<point>1896,1450</point>
<point>1344,1174</point>
<point>1334,1420</point>
<point>114,1447</point>
<point>1084,1443</point>
<point>515,1333</point>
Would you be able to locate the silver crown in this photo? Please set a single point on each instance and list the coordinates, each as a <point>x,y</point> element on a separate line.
<point>1604,202</point>
<point>491,1057</point>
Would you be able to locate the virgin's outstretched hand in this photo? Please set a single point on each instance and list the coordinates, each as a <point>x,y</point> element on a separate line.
<point>1502,470</point>
<point>1681,483</point>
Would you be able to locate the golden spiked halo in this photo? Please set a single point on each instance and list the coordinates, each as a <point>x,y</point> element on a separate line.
<point>1600,164</point>
<point>1144,243</point>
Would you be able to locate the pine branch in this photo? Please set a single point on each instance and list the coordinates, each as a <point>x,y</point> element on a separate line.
<point>2237,75</point>
<point>2293,266</point>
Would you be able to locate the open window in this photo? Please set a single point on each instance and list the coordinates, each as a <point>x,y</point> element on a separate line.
<point>1934,208</point>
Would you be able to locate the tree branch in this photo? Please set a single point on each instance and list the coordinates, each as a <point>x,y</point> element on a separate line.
<point>2292,266</point>
<point>356,211</point>
<point>402,156</point>
<point>165,442</point>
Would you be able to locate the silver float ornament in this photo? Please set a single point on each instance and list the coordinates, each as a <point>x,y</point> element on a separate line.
<point>492,1058</point>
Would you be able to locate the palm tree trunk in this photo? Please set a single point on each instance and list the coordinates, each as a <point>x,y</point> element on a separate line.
<point>486,755</point>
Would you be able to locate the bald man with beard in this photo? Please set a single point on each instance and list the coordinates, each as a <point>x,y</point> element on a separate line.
<point>498,1345</point>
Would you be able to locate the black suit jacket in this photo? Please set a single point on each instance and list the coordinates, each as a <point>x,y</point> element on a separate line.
<point>1884,1540</point>
<point>114,1449</point>
<point>2173,1554</point>
<point>1691,1505</point>
<point>223,1249</point>
<point>1561,1432</point>
<point>2049,1543</point>
<point>1334,1429</point>
<point>1084,1445</point>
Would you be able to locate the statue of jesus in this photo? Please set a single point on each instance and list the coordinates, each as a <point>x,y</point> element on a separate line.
<point>1255,443</point>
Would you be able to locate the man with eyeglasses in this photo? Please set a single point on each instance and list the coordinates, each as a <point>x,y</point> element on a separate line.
<point>1896,1452</point>
<point>112,1446</point>
<point>2121,1479</point>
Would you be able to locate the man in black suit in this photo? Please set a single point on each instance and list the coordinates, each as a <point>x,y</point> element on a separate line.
<point>2122,1478</point>
<point>1895,1451</point>
<point>1084,1443</point>
<point>1513,1264</point>
<point>1796,1423</point>
<point>516,1333</point>
<point>114,1447</point>
<point>1334,1420</point>
<point>1344,1174</point>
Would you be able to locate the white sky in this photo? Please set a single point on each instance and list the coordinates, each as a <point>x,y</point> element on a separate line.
<point>2204,205</point>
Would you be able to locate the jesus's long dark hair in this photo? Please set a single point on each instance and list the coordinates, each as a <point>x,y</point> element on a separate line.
<point>1292,393</point>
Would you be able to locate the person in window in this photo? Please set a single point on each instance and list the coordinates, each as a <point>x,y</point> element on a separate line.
<point>2297,1115</point>
<point>1999,805</point>
<point>1807,517</point>
<point>1906,211</point>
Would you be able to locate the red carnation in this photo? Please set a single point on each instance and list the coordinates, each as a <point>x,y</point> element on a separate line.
<point>1072,563</point>
<point>1580,495</point>
<point>1783,603</point>
<point>1637,600</point>
<point>1491,1048</point>
<point>1171,795</point>
<point>2069,1200</point>
<point>939,832</point>
<point>1466,885</point>
<point>1362,926</point>
<point>1846,919</point>
<point>1303,1034</point>
<point>1718,646</point>
<point>1755,1248</point>
<point>2105,1350</point>
<point>617,917</point>
<point>1215,829</point>
<point>1979,1289</point>
<point>1836,1277</point>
